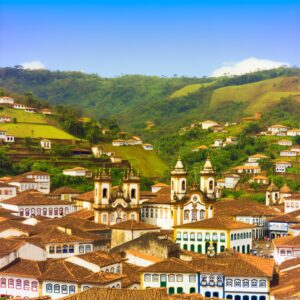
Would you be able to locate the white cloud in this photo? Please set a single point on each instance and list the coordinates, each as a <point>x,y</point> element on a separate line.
<point>247,65</point>
<point>33,65</point>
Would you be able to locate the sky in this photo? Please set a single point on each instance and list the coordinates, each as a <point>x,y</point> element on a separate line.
<point>183,37</point>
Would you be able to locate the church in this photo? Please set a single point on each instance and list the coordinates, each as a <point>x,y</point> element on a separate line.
<point>180,204</point>
<point>113,205</point>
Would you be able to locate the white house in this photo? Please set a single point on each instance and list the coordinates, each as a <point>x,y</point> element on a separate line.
<point>218,143</point>
<point>7,191</point>
<point>19,106</point>
<point>5,119</point>
<point>256,158</point>
<point>288,153</point>
<point>277,129</point>
<point>9,138</point>
<point>208,124</point>
<point>31,110</point>
<point>220,232</point>
<point>118,143</point>
<point>6,100</point>
<point>285,248</point>
<point>46,111</point>
<point>45,144</point>
<point>281,166</point>
<point>293,132</point>
<point>77,171</point>
<point>292,203</point>
<point>148,147</point>
<point>285,143</point>
<point>260,179</point>
<point>248,169</point>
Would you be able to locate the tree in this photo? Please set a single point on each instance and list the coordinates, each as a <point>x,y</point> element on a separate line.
<point>28,142</point>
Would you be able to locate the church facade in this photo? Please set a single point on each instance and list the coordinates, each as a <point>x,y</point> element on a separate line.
<point>180,204</point>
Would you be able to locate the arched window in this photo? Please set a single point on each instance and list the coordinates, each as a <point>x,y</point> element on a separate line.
<point>56,288</point>
<point>132,217</point>
<point>22,212</point>
<point>48,288</point>
<point>19,284</point>
<point>183,185</point>
<point>27,212</point>
<point>237,283</point>
<point>85,288</point>
<point>38,211</point>
<point>245,283</point>
<point>151,213</point>
<point>55,211</point>
<point>50,211</point>
<point>58,249</point>
<point>179,290</point>
<point>10,283</point>
<point>211,184</point>
<point>118,286</point>
<point>186,214</point>
<point>118,269</point>
<point>66,210</point>
<point>51,249</point>
<point>192,278</point>
<point>64,289</point>
<point>155,277</point>
<point>65,248</point>
<point>104,193</point>
<point>61,211</point>
<point>3,282</point>
<point>72,289</point>
<point>262,283</point>
<point>26,285</point>
<point>199,236</point>
<point>133,193</point>
<point>215,236</point>
<point>229,282</point>
<point>81,249</point>
<point>171,290</point>
<point>192,236</point>
<point>234,237</point>
<point>104,218</point>
<point>71,249</point>
<point>171,278</point>
<point>179,278</point>
<point>147,277</point>
<point>34,286</point>
<point>253,283</point>
<point>88,248</point>
<point>44,211</point>
<point>147,212</point>
<point>112,270</point>
<point>222,237</point>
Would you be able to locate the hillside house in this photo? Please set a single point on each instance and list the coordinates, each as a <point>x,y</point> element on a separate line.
<point>218,143</point>
<point>116,159</point>
<point>229,181</point>
<point>138,140</point>
<point>9,138</point>
<point>293,132</point>
<point>296,148</point>
<point>77,171</point>
<point>6,100</point>
<point>288,153</point>
<point>45,144</point>
<point>281,166</point>
<point>260,179</point>
<point>46,111</point>
<point>292,202</point>
<point>19,106</point>
<point>31,110</point>
<point>148,147</point>
<point>286,248</point>
<point>7,191</point>
<point>97,150</point>
<point>5,119</point>
<point>208,124</point>
<point>285,143</point>
<point>277,129</point>
<point>256,158</point>
<point>231,139</point>
<point>117,143</point>
<point>2,134</point>
<point>247,169</point>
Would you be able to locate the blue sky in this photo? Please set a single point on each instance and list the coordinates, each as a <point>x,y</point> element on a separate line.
<point>111,38</point>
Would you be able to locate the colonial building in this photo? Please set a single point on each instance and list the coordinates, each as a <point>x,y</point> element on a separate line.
<point>291,202</point>
<point>180,204</point>
<point>220,232</point>
<point>7,191</point>
<point>112,206</point>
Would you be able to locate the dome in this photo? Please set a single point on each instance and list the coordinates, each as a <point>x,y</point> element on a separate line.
<point>285,189</point>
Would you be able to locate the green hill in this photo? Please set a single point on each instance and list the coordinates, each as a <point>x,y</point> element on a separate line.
<point>148,162</point>
<point>188,89</point>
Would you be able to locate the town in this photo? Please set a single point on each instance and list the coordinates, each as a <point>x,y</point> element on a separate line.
<point>176,238</point>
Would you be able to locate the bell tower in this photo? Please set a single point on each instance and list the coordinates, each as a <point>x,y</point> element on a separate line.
<point>102,187</point>
<point>131,186</point>
<point>207,179</point>
<point>178,181</point>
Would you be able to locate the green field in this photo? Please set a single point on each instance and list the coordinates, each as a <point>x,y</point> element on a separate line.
<point>188,89</point>
<point>148,162</point>
<point>258,95</point>
<point>22,116</point>
<point>22,130</point>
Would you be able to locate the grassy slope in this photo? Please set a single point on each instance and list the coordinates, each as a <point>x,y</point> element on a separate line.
<point>35,131</point>
<point>148,162</point>
<point>22,116</point>
<point>188,89</point>
<point>259,95</point>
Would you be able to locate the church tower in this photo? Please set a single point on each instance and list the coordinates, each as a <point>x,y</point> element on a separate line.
<point>178,181</point>
<point>102,188</point>
<point>131,186</point>
<point>207,179</point>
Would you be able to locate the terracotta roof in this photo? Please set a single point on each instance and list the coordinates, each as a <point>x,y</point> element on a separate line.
<point>120,294</point>
<point>7,246</point>
<point>31,197</point>
<point>294,196</point>
<point>134,225</point>
<point>277,126</point>
<point>246,168</point>
<point>258,155</point>
<point>272,187</point>
<point>292,217</point>
<point>233,207</point>
<point>297,226</point>
<point>88,196</point>
<point>217,223</point>
<point>132,274</point>
<point>290,264</point>
<point>142,255</point>
<point>36,173</point>
<point>170,265</point>
<point>102,258</point>
<point>285,189</point>
<point>6,224</point>
<point>65,190</point>
<point>290,241</point>
<point>288,286</point>
<point>260,177</point>
<point>83,213</point>
<point>160,184</point>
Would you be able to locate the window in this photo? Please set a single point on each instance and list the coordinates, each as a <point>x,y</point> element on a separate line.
<point>288,252</point>
<point>192,236</point>
<point>147,277</point>
<point>192,290</point>
<point>245,283</point>
<point>179,278</point>
<point>222,237</point>
<point>237,283</point>
<point>215,236</point>
<point>104,193</point>
<point>10,283</point>
<point>207,236</point>
<point>58,249</point>
<point>151,212</point>
<point>186,214</point>
<point>178,236</point>
<point>3,282</point>
<point>27,212</point>
<point>112,270</point>
<point>133,193</point>
<point>44,211</point>
<point>118,269</point>
<point>21,212</point>
<point>104,218</point>
<point>19,284</point>
<point>253,283</point>
<point>199,236</point>
<point>171,278</point>
<point>282,252</point>
<point>56,288</point>
<point>179,290</point>
<point>185,236</point>
<point>88,248</point>
<point>211,184</point>
<point>183,185</point>
<point>219,281</point>
<point>262,283</point>
<point>61,211</point>
<point>56,211</point>
<point>50,211</point>
<point>147,212</point>
<point>85,288</point>
<point>229,282</point>
<point>38,212</point>
<point>81,249</point>
<point>71,249</point>
<point>192,278</point>
<point>64,289</point>
<point>49,288</point>
<point>171,290</point>
<point>155,277</point>
<point>26,285</point>
<point>72,289</point>
<point>34,286</point>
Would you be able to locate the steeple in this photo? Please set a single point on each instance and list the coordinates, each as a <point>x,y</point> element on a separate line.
<point>131,185</point>
<point>207,179</point>
<point>178,181</point>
